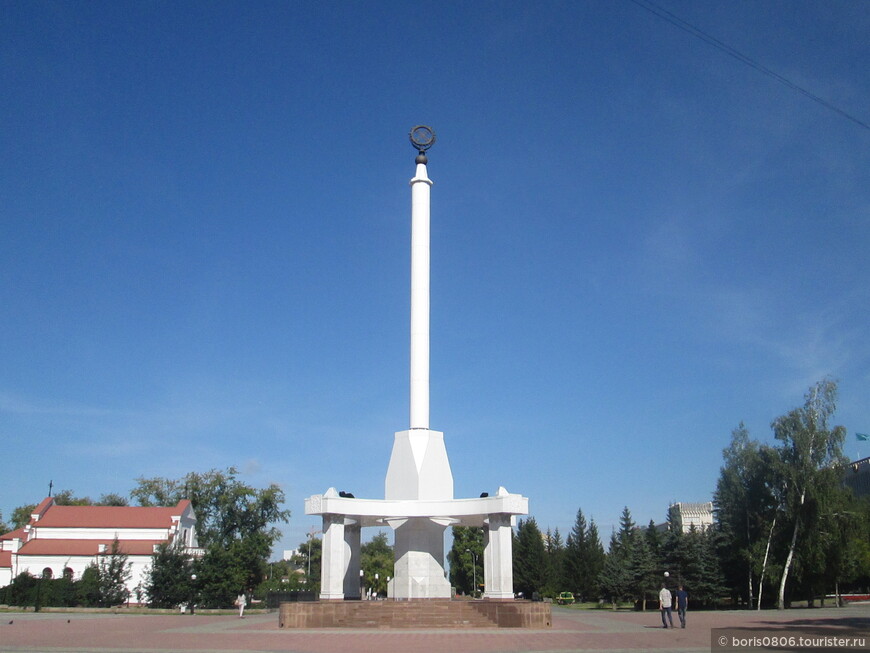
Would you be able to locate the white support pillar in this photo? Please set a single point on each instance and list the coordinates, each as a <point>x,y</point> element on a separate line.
<point>352,547</point>
<point>334,558</point>
<point>498,558</point>
<point>420,187</point>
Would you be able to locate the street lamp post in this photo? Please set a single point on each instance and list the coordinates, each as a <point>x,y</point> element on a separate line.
<point>192,592</point>
<point>473,571</point>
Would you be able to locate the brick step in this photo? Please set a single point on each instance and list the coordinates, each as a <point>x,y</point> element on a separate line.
<point>407,614</point>
<point>422,614</point>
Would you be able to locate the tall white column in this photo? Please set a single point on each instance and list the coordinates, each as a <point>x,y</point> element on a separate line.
<point>420,186</point>
<point>498,558</point>
<point>352,550</point>
<point>334,558</point>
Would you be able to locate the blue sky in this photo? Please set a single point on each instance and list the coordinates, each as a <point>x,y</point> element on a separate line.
<point>637,242</point>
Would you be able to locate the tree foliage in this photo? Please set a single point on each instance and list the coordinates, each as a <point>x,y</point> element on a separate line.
<point>554,548</point>
<point>307,559</point>
<point>583,559</point>
<point>114,572</point>
<point>168,583</point>
<point>812,464</point>
<point>376,558</point>
<point>529,559</point>
<point>227,510</point>
<point>464,554</point>
<point>615,578</point>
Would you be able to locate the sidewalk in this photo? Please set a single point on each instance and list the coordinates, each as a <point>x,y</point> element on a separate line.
<point>573,630</point>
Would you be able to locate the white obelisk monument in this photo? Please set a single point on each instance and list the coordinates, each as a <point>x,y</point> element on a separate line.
<point>418,499</point>
<point>419,469</point>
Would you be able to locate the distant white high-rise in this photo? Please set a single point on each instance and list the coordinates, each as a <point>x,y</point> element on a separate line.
<point>699,515</point>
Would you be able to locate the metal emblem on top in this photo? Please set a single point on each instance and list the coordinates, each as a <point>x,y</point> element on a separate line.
<point>422,137</point>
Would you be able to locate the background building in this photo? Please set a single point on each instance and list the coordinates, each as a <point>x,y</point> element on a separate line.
<point>857,477</point>
<point>686,515</point>
<point>65,540</point>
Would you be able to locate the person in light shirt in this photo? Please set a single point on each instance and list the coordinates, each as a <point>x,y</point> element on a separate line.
<point>665,602</point>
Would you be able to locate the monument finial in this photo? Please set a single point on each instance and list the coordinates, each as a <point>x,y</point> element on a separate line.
<point>422,138</point>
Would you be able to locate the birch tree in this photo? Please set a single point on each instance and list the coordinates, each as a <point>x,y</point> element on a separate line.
<point>811,457</point>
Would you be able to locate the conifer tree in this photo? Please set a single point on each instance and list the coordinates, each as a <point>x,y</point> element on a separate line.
<point>614,578</point>
<point>529,559</point>
<point>575,563</point>
<point>114,573</point>
<point>594,563</point>
<point>555,550</point>
<point>641,567</point>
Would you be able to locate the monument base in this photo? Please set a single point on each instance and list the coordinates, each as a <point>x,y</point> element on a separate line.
<point>421,614</point>
<point>419,527</point>
<point>419,551</point>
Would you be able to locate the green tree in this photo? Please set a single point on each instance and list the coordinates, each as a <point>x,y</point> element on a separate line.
<point>112,499</point>
<point>377,559</point>
<point>220,576</point>
<point>529,559</point>
<point>68,498</point>
<point>626,530</point>
<point>615,577</point>
<point>307,558</point>
<point>745,504</point>
<point>824,560</point>
<point>554,548</point>
<point>673,553</point>
<point>654,541</point>
<point>464,554</point>
<point>114,572</point>
<point>22,591</point>
<point>699,567</point>
<point>168,582</point>
<point>575,565</point>
<point>88,590</point>
<point>812,459</point>
<point>235,525</point>
<point>21,515</point>
<point>594,556</point>
<point>583,559</point>
<point>226,509</point>
<point>642,567</point>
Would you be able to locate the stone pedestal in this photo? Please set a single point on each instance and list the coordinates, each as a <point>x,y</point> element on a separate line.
<point>419,550</point>
<point>419,471</point>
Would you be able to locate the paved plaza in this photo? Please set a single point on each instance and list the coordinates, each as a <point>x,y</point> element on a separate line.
<point>573,630</point>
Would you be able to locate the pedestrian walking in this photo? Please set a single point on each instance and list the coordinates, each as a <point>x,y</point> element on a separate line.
<point>665,603</point>
<point>241,601</point>
<point>682,604</point>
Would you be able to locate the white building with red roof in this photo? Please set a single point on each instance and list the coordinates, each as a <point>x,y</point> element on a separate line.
<point>65,540</point>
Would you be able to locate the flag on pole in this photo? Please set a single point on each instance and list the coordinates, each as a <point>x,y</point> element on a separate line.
<point>863,437</point>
